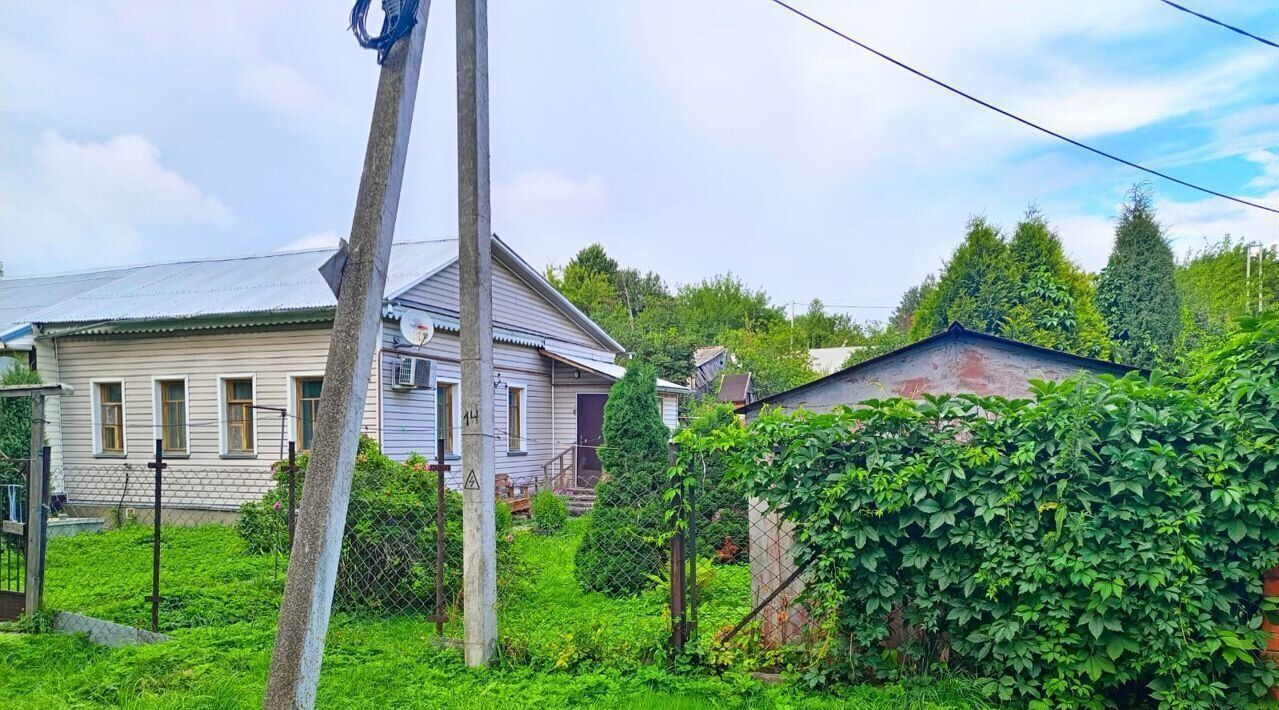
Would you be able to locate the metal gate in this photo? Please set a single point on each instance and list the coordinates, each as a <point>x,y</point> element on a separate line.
<point>13,539</point>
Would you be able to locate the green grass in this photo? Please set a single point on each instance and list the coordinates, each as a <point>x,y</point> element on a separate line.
<point>560,647</point>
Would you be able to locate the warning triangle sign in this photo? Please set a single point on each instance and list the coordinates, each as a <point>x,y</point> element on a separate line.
<point>472,482</point>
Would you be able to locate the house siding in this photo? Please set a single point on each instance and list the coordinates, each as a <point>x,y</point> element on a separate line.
<point>515,305</point>
<point>408,416</point>
<point>270,356</point>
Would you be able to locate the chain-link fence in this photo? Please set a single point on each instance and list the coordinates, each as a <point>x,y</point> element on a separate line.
<point>202,546</point>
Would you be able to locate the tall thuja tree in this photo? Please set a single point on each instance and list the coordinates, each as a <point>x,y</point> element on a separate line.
<point>619,554</point>
<point>974,288</point>
<point>1137,291</point>
<point>1053,304</point>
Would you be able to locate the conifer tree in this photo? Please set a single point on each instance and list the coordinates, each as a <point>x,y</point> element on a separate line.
<point>1137,291</point>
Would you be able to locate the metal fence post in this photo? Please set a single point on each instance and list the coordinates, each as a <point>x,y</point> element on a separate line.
<point>691,503</point>
<point>159,465</point>
<point>440,469</point>
<point>679,620</point>
<point>293,501</point>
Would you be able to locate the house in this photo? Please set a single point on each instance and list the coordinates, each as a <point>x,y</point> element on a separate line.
<point>827,360</point>
<point>954,361</point>
<point>222,360</point>
<point>737,389</point>
<point>708,361</point>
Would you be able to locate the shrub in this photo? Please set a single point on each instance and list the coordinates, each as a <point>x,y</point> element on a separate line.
<point>618,556</point>
<point>722,522</point>
<point>550,512</point>
<point>1102,544</point>
<point>15,424</point>
<point>388,546</point>
<point>621,552</point>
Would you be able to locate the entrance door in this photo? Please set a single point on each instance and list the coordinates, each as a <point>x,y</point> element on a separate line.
<point>590,434</point>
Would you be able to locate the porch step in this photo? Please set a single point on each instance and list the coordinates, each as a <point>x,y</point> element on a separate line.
<point>580,500</point>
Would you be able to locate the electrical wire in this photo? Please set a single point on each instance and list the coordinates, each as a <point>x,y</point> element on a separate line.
<point>1219,23</point>
<point>399,17</point>
<point>1015,117</point>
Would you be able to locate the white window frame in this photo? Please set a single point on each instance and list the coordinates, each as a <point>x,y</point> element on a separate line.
<point>523,388</point>
<point>222,415</point>
<point>157,413</point>
<point>95,414</point>
<point>457,415</point>
<point>294,409</point>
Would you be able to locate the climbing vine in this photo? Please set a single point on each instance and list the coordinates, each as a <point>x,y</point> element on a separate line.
<point>1100,544</point>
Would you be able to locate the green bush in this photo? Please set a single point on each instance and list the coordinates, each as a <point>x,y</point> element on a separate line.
<point>388,546</point>
<point>618,555</point>
<point>15,424</point>
<point>1100,545</point>
<point>621,552</point>
<point>550,512</point>
<point>722,523</point>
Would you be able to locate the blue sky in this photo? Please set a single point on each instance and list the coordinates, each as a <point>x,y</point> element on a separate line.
<point>690,138</point>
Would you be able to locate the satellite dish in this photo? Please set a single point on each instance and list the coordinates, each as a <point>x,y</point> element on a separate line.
<point>417,327</point>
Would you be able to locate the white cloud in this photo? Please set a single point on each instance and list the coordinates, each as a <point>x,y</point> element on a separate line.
<point>92,203</point>
<point>1188,223</point>
<point>319,240</point>
<point>768,85</point>
<point>284,90</point>
<point>1269,162</point>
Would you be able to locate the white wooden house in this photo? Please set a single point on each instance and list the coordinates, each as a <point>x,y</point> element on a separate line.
<point>222,360</point>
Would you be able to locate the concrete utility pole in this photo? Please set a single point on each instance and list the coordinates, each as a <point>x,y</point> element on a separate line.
<point>308,593</point>
<point>475,246</point>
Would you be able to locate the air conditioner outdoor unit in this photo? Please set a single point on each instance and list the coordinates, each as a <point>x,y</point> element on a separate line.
<point>415,373</point>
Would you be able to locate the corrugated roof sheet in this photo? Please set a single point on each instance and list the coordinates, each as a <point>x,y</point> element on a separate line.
<point>607,369</point>
<point>735,388</point>
<point>268,283</point>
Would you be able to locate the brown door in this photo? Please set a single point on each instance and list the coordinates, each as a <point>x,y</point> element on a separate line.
<point>590,434</point>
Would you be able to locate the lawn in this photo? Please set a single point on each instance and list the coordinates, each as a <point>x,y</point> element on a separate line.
<point>560,647</point>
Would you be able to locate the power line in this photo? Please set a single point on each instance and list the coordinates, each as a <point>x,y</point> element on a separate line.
<point>1017,118</point>
<point>1215,21</point>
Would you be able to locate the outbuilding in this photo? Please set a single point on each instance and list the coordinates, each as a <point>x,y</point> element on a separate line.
<point>954,361</point>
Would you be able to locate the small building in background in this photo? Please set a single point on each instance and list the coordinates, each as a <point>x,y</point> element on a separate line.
<point>708,362</point>
<point>737,389</point>
<point>827,360</point>
<point>954,361</point>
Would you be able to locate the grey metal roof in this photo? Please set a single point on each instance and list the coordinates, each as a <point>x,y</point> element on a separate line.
<point>20,297</point>
<point>282,282</point>
<point>268,283</point>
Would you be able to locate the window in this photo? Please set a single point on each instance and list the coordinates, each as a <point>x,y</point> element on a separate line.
<point>307,396</point>
<point>446,411</point>
<point>171,401</point>
<point>515,418</point>
<point>108,409</point>
<point>238,410</point>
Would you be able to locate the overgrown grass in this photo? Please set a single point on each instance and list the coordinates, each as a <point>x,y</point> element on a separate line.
<point>561,647</point>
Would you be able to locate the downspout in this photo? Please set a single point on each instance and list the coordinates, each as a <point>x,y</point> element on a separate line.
<point>555,441</point>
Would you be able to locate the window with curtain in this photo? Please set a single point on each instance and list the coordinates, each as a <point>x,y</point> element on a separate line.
<point>173,416</point>
<point>515,418</point>
<point>111,417</point>
<point>308,399</point>
<point>239,416</point>
<point>444,409</point>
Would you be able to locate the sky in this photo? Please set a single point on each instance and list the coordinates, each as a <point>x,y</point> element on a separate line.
<point>689,137</point>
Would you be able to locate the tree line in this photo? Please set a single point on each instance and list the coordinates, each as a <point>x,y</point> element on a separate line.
<point>1145,307</point>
